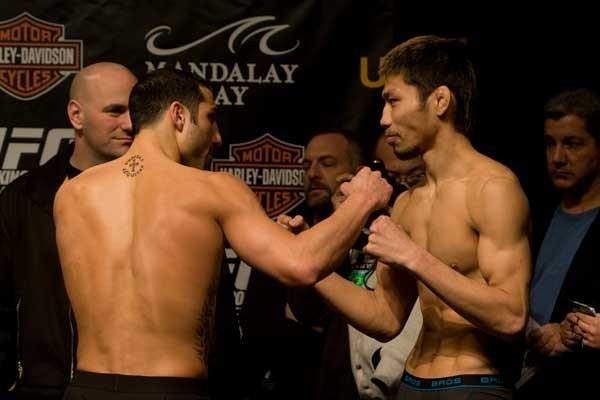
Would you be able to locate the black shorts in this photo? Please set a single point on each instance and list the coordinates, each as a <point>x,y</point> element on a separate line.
<point>92,386</point>
<point>459,387</point>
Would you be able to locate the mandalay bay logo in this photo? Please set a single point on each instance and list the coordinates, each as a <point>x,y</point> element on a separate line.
<point>236,78</point>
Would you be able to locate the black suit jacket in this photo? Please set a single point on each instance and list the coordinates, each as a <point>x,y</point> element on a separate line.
<point>571,374</point>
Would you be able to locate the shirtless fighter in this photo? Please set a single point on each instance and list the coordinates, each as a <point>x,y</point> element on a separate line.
<point>140,240</point>
<point>458,241</point>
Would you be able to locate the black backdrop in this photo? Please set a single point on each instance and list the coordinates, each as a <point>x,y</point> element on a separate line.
<point>285,68</point>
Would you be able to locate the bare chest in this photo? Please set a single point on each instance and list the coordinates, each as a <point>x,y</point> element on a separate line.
<point>439,221</point>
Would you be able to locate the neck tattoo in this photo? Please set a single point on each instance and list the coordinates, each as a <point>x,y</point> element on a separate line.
<point>133,166</point>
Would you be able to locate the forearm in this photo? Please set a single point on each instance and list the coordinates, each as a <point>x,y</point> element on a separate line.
<point>490,308</point>
<point>364,309</point>
<point>328,242</point>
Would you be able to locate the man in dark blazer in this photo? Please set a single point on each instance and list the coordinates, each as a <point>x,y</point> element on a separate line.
<point>563,346</point>
<point>37,331</point>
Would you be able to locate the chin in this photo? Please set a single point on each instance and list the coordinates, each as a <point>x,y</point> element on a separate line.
<point>407,153</point>
<point>317,202</point>
<point>562,185</point>
<point>117,153</point>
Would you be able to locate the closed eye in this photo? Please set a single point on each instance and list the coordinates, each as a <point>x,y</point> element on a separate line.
<point>115,109</point>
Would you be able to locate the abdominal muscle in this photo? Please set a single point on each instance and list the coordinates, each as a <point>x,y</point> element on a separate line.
<point>449,345</point>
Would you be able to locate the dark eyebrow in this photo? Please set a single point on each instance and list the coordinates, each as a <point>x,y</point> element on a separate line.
<point>212,112</point>
<point>573,137</point>
<point>115,108</point>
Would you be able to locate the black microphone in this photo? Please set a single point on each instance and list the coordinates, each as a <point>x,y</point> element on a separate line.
<point>377,165</point>
<point>362,265</point>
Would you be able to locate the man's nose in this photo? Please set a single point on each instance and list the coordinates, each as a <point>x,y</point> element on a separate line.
<point>126,122</point>
<point>217,139</point>
<point>559,156</point>
<point>313,171</point>
<point>386,117</point>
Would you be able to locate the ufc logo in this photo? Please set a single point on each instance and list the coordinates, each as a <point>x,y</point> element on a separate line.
<point>29,141</point>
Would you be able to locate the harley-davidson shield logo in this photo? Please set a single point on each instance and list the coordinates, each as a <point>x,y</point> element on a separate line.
<point>271,167</point>
<point>35,57</point>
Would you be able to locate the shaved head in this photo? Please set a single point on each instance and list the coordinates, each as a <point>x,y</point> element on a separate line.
<point>99,112</point>
<point>93,75</point>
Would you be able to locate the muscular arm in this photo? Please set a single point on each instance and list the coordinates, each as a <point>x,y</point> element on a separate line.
<point>379,313</point>
<point>499,305</point>
<point>299,259</point>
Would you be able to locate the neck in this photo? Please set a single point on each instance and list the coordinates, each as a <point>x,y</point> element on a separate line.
<point>157,141</point>
<point>83,158</point>
<point>448,155</point>
<point>583,199</point>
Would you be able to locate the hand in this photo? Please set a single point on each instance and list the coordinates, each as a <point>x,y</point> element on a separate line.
<point>568,335</point>
<point>338,197</point>
<point>371,185</point>
<point>296,224</point>
<point>390,243</point>
<point>588,327</point>
<point>547,341</point>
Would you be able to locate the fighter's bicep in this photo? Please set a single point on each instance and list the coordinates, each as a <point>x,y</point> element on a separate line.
<point>249,231</point>
<point>502,219</point>
<point>504,267</point>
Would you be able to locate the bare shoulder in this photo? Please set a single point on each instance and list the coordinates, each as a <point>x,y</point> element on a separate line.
<point>75,187</point>
<point>227,185</point>
<point>494,191</point>
<point>400,205</point>
<point>230,192</point>
<point>488,174</point>
<point>70,193</point>
<point>226,181</point>
<point>62,196</point>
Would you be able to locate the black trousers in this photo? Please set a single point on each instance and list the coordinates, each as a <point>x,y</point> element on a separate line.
<point>92,386</point>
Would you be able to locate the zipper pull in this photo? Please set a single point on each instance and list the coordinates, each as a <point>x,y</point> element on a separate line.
<point>19,370</point>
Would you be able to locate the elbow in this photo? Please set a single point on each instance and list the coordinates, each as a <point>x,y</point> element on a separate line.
<point>387,331</point>
<point>302,274</point>
<point>513,330</point>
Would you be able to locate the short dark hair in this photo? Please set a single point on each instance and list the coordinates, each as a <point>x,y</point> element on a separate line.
<point>429,62</point>
<point>581,102</point>
<point>154,92</point>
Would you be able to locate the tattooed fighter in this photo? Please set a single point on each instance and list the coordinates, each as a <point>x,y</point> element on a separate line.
<point>140,241</point>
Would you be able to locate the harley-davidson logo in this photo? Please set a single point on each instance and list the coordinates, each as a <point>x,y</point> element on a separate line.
<point>271,167</point>
<point>35,57</point>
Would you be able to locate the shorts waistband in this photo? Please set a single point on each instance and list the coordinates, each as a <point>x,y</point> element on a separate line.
<point>455,381</point>
<point>139,384</point>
